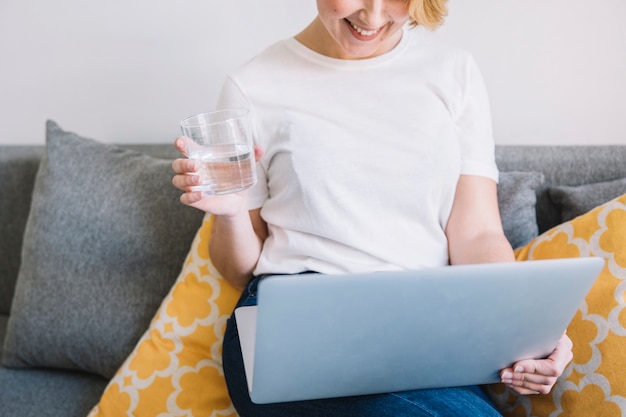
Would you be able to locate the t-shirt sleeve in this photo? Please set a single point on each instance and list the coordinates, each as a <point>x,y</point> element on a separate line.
<point>473,123</point>
<point>232,96</point>
<point>258,193</point>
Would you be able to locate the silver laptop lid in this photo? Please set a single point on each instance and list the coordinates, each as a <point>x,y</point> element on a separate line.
<point>322,336</point>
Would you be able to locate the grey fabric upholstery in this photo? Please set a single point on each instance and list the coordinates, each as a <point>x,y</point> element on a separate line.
<point>105,239</point>
<point>562,165</point>
<point>4,319</point>
<point>18,166</point>
<point>574,201</point>
<point>47,393</point>
<point>517,200</point>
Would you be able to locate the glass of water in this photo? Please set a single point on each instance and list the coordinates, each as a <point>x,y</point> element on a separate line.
<point>222,142</point>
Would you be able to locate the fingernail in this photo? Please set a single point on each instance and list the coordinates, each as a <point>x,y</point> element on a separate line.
<point>507,375</point>
<point>519,369</point>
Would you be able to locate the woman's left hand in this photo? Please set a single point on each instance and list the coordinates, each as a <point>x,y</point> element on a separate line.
<point>538,376</point>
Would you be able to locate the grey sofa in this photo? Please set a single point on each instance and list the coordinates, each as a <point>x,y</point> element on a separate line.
<point>92,236</point>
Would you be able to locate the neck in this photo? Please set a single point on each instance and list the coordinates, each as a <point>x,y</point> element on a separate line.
<point>316,37</point>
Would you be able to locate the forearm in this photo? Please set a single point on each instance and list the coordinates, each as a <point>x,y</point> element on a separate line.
<point>487,247</point>
<point>474,229</point>
<point>235,248</point>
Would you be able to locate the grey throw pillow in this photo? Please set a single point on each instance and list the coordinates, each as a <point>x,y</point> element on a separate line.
<point>517,199</point>
<point>105,239</point>
<point>576,200</point>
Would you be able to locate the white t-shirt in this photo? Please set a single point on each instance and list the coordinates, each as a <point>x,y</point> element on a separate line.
<point>362,157</point>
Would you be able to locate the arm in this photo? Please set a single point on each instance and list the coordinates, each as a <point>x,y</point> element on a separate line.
<point>236,244</point>
<point>474,229</point>
<point>238,234</point>
<point>475,235</point>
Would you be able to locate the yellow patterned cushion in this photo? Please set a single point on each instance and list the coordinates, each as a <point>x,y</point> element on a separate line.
<point>176,367</point>
<point>594,384</point>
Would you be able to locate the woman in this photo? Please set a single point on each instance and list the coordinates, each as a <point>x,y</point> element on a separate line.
<point>375,153</point>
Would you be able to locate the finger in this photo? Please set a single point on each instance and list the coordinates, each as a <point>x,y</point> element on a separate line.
<point>520,378</point>
<point>522,390</point>
<point>258,153</point>
<point>534,382</point>
<point>531,388</point>
<point>191,198</point>
<point>540,367</point>
<point>553,365</point>
<point>181,144</point>
<point>185,166</point>
<point>185,182</point>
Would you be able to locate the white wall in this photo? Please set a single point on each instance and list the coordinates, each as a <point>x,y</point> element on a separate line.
<point>555,69</point>
<point>127,71</point>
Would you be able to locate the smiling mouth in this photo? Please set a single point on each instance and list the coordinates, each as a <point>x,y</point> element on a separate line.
<point>361,31</point>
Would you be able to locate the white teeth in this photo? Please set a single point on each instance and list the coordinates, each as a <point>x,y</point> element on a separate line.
<point>363,31</point>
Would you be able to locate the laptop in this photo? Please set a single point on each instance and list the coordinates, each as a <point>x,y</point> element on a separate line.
<point>321,336</point>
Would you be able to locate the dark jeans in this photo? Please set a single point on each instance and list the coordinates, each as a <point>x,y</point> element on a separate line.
<point>456,402</point>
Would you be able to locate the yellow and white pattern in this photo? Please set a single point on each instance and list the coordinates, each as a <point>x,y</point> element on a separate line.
<point>594,384</point>
<point>176,367</point>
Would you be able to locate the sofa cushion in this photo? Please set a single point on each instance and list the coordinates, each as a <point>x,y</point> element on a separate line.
<point>593,383</point>
<point>47,393</point>
<point>517,198</point>
<point>18,167</point>
<point>179,357</point>
<point>576,200</point>
<point>562,165</point>
<point>105,239</point>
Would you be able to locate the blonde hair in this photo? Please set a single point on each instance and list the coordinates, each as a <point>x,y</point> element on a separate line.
<point>428,13</point>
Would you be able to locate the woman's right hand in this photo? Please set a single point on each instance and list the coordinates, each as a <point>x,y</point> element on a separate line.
<point>186,178</point>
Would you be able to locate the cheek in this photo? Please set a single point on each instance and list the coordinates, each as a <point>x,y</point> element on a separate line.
<point>399,10</point>
<point>335,8</point>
